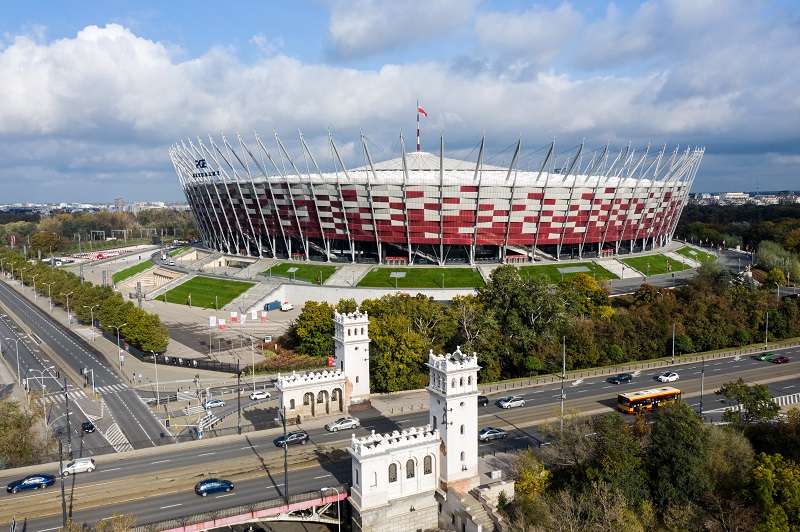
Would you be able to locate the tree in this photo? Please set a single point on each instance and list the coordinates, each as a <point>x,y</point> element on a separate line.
<point>531,476</point>
<point>748,404</point>
<point>776,492</point>
<point>532,364</point>
<point>312,332</point>
<point>46,242</point>
<point>20,443</point>
<point>116,523</point>
<point>677,456</point>
<point>775,278</point>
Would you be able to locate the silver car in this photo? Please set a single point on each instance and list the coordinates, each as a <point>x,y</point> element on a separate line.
<point>79,465</point>
<point>512,401</point>
<point>343,423</point>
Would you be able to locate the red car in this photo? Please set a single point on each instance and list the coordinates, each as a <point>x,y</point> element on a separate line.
<point>780,360</point>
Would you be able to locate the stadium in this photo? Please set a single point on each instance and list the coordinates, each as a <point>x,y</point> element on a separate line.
<point>424,208</point>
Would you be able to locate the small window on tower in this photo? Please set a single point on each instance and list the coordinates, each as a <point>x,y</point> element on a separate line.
<point>462,430</point>
<point>392,472</point>
<point>427,465</point>
<point>410,469</point>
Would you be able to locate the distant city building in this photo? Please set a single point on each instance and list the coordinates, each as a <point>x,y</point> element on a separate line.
<point>422,206</point>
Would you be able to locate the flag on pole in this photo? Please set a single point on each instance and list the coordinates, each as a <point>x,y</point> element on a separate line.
<point>421,110</point>
<point>263,316</point>
<point>253,314</point>
<point>222,324</point>
<point>233,317</point>
<point>212,321</point>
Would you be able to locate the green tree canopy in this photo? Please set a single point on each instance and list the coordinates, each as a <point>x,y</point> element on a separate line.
<point>748,403</point>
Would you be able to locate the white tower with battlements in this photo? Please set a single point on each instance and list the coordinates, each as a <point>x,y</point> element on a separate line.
<point>351,339</point>
<point>453,393</point>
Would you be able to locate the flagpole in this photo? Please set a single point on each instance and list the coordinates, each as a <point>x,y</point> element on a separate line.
<point>418,126</point>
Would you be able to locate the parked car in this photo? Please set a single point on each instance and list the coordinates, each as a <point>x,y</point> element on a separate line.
<point>291,438</point>
<point>483,400</point>
<point>213,403</point>
<point>212,485</point>
<point>766,356</point>
<point>79,465</point>
<point>619,379</point>
<point>512,401</point>
<point>669,376</point>
<point>343,423</point>
<point>31,482</point>
<point>87,426</point>
<point>260,394</point>
<point>780,360</point>
<point>491,434</point>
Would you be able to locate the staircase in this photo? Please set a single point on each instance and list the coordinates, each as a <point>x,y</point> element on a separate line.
<point>477,511</point>
<point>252,297</point>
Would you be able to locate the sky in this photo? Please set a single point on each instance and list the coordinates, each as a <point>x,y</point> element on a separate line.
<point>95,92</point>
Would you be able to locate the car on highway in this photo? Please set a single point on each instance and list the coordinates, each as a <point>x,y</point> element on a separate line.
<point>212,403</point>
<point>488,433</point>
<point>669,376</point>
<point>512,401</point>
<point>87,426</point>
<point>79,465</point>
<point>343,423</point>
<point>619,379</point>
<point>260,394</point>
<point>765,356</point>
<point>780,360</point>
<point>212,485</point>
<point>291,438</point>
<point>31,482</point>
<point>483,400</point>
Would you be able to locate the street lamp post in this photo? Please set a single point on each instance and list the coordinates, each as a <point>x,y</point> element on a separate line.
<point>49,285</point>
<point>338,515</point>
<point>119,351</point>
<point>155,365</point>
<point>69,316</point>
<point>16,349</point>
<point>91,313</point>
<point>673,343</point>
<point>766,332</point>
<point>35,295</point>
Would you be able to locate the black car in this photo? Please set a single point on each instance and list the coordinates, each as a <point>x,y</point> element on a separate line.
<point>483,400</point>
<point>87,426</point>
<point>31,482</point>
<point>291,438</point>
<point>619,379</point>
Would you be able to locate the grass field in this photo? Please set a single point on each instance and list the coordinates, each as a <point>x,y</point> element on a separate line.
<point>179,251</point>
<point>698,255</point>
<point>422,278</point>
<point>206,292</point>
<point>551,271</point>
<point>306,272</point>
<point>657,264</point>
<point>130,272</point>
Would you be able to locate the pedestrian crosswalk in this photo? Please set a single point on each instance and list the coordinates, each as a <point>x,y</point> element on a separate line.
<point>208,421</point>
<point>113,388</point>
<point>188,411</point>
<point>75,394</point>
<point>117,439</point>
<point>187,396</point>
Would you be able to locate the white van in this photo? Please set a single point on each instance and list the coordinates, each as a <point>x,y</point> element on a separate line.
<point>79,465</point>
<point>286,306</point>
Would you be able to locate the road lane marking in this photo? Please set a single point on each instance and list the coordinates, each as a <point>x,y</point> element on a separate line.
<point>171,506</point>
<point>112,469</point>
<point>159,462</point>
<point>323,476</point>
<point>206,454</point>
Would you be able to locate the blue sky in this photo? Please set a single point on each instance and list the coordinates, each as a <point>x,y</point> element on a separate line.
<point>95,92</point>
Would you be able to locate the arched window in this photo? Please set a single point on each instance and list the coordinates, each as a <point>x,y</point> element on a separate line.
<point>334,395</point>
<point>356,379</point>
<point>427,465</point>
<point>307,399</point>
<point>356,477</point>
<point>410,469</point>
<point>349,331</point>
<point>392,472</point>
<point>375,478</point>
<point>461,381</point>
<point>453,383</point>
<point>469,380</point>
<point>321,397</point>
<point>462,430</point>
<point>463,456</point>
<point>291,404</point>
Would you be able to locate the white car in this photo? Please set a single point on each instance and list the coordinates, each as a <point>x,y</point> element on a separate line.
<point>79,465</point>
<point>260,394</point>
<point>669,376</point>
<point>343,423</point>
<point>511,402</point>
<point>211,403</point>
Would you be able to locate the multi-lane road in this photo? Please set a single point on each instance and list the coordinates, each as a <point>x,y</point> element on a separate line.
<point>48,353</point>
<point>156,484</point>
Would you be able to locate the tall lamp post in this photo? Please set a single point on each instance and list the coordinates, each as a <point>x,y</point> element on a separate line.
<point>155,365</point>
<point>69,316</point>
<point>91,313</point>
<point>673,343</point>
<point>16,348</point>
<point>338,515</point>
<point>118,327</point>
<point>35,295</point>
<point>50,297</point>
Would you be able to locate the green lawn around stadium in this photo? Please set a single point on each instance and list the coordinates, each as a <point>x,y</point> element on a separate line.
<point>206,292</point>
<point>380,277</point>
<point>305,272</point>
<point>130,272</point>
<point>179,251</point>
<point>701,256</point>
<point>552,271</point>
<point>657,264</point>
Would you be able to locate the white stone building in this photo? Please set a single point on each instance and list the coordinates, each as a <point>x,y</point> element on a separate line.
<point>351,341</point>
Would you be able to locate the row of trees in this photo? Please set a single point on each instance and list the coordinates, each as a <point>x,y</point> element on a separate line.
<point>517,325</point>
<point>63,228</point>
<point>85,301</point>
<point>668,471</point>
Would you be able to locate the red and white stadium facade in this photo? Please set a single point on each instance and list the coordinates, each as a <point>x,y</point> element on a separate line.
<point>423,207</point>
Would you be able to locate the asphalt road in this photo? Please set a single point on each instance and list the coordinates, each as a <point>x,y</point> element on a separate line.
<point>157,484</point>
<point>124,407</point>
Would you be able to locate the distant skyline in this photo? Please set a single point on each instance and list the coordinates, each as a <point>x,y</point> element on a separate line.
<point>95,93</point>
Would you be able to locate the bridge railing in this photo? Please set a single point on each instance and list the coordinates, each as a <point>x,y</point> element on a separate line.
<point>248,512</point>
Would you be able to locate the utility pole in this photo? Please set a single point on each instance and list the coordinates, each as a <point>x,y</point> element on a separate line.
<point>673,343</point>
<point>285,458</point>
<point>563,376</point>
<point>60,469</point>
<point>702,383</point>
<point>69,432</point>
<point>239,396</point>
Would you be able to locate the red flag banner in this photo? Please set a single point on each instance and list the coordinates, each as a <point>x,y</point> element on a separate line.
<point>421,110</point>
